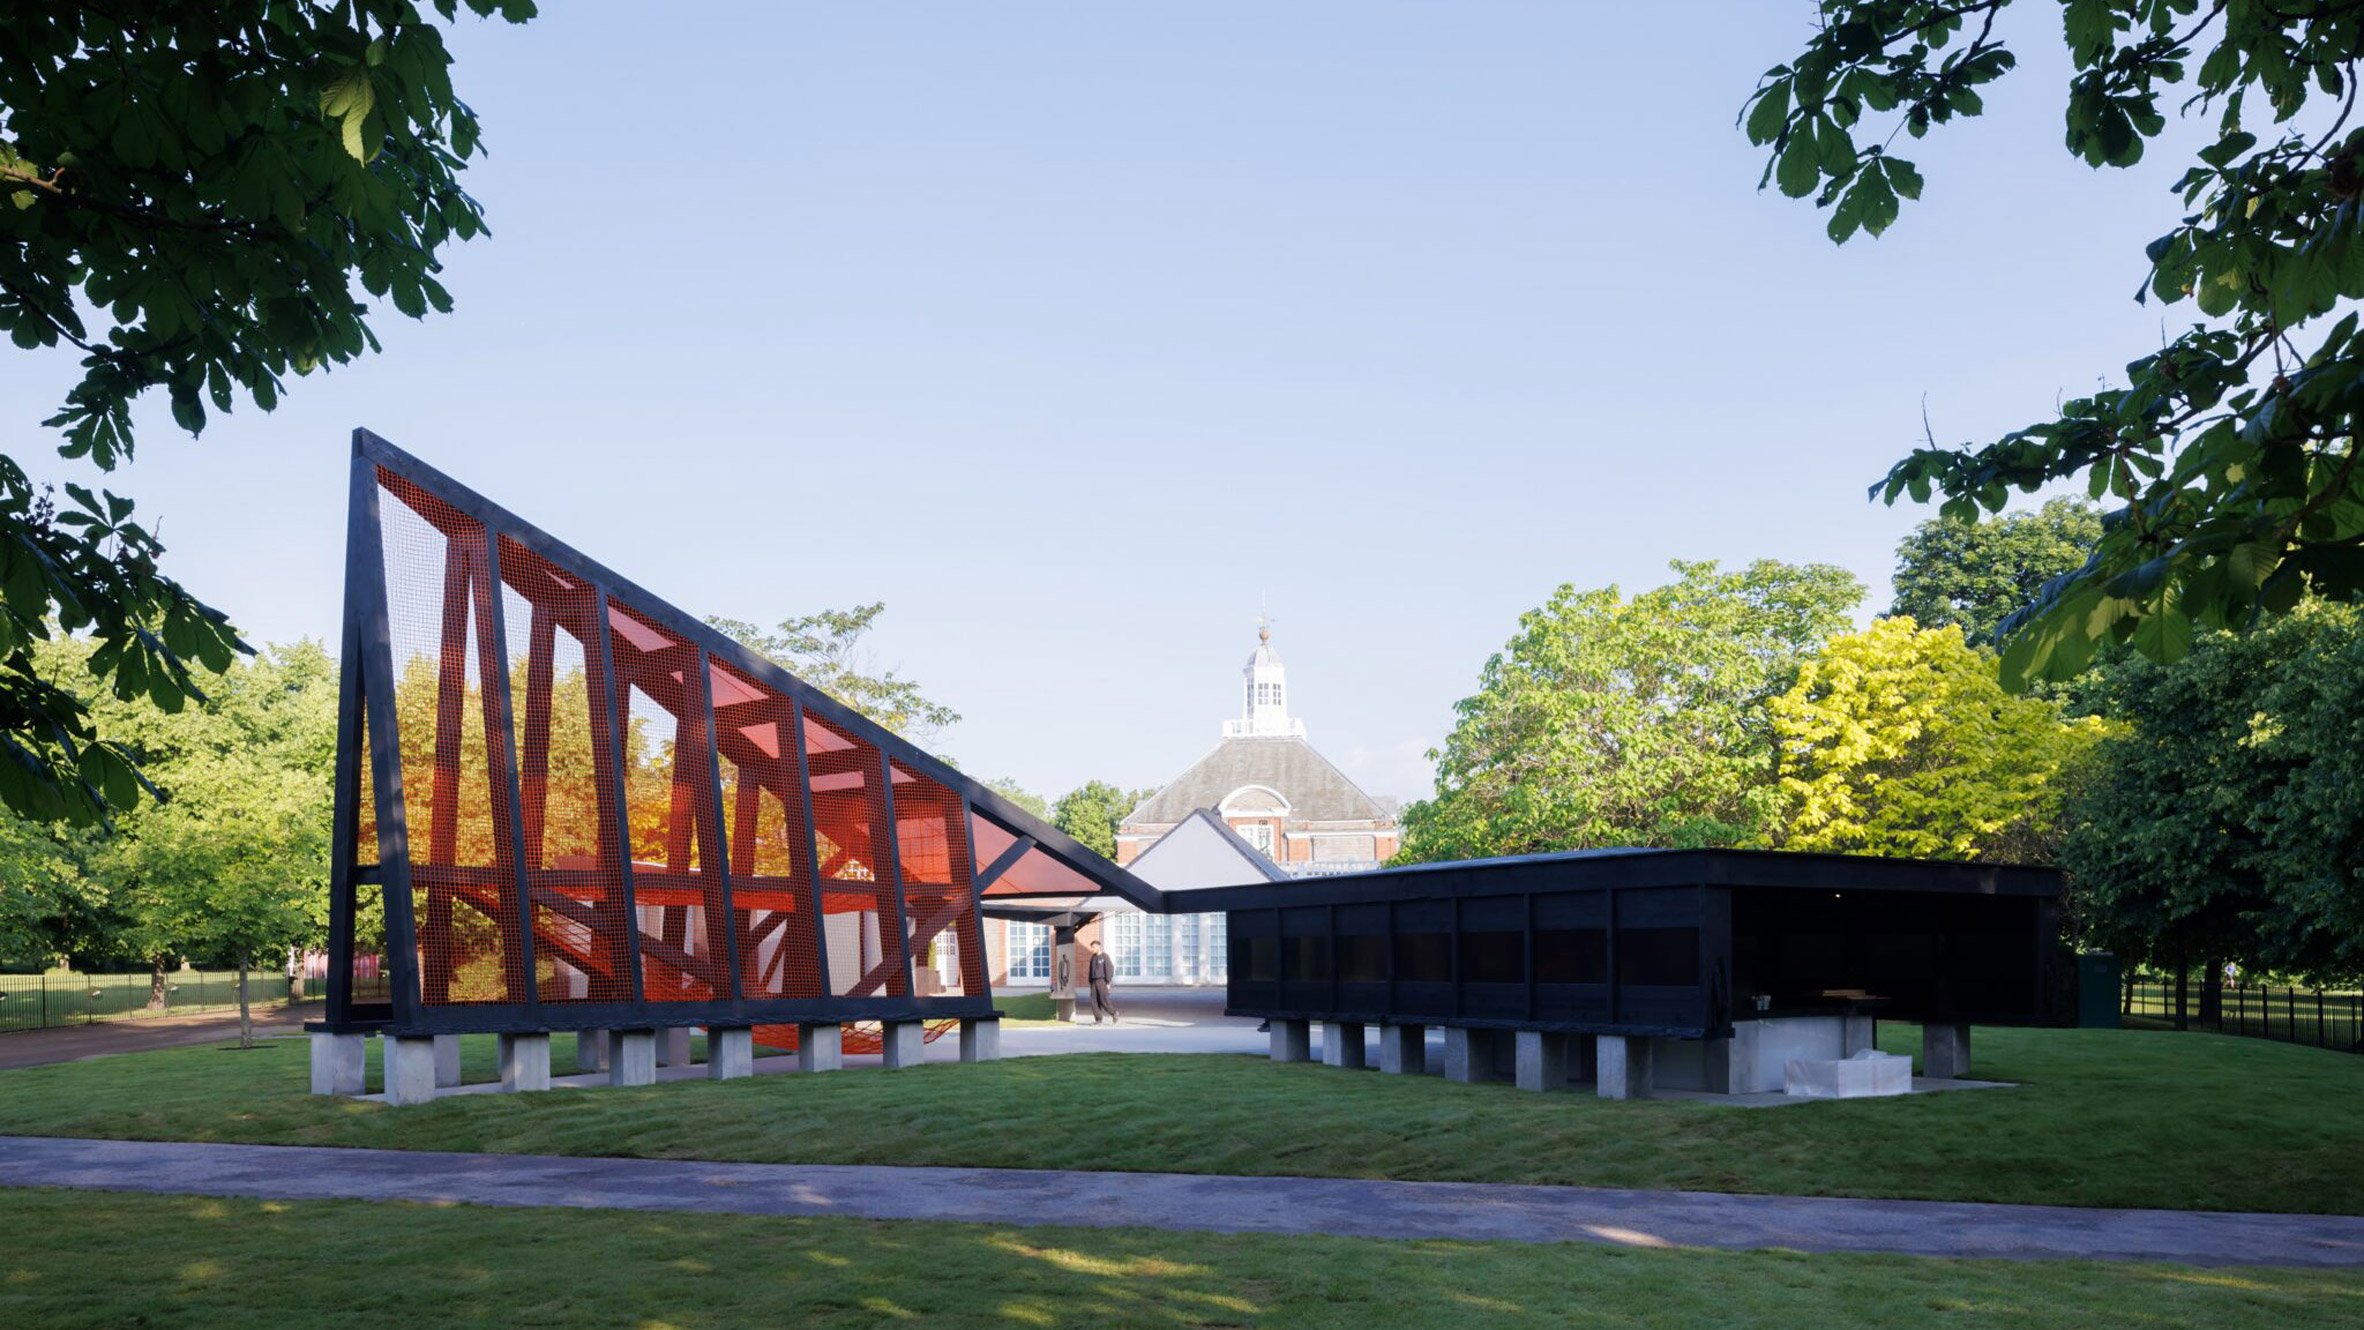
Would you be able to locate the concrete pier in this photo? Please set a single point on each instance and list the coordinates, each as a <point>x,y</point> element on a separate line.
<point>820,1047</point>
<point>980,1040</point>
<point>591,1050</point>
<point>673,1047</point>
<point>525,1062</point>
<point>447,1061</point>
<point>1403,1049</point>
<point>339,1062</point>
<point>1625,1067</point>
<point>905,1044</point>
<point>1343,1045</point>
<point>1945,1051</point>
<point>1292,1041</point>
<point>1470,1055</point>
<point>410,1069</point>
<point>1542,1060</point>
<point>730,1052</point>
<point>632,1057</point>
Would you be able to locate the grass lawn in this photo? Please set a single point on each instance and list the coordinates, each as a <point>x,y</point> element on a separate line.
<point>2109,1118</point>
<point>171,1261</point>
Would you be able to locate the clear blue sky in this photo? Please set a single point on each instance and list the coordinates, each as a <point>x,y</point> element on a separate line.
<point>1072,330</point>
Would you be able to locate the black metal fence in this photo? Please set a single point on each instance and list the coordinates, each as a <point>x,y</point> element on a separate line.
<point>32,1001</point>
<point>2292,1015</point>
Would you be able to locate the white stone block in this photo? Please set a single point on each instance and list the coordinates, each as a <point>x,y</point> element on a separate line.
<point>410,1069</point>
<point>339,1062</point>
<point>980,1040</point>
<point>1292,1041</point>
<point>820,1047</point>
<point>1627,1067</point>
<point>730,1053</point>
<point>633,1055</point>
<point>904,1044</point>
<point>1868,1074</point>
<point>1542,1060</point>
<point>525,1062</point>
<point>1403,1049</point>
<point>1343,1045</point>
<point>447,1061</point>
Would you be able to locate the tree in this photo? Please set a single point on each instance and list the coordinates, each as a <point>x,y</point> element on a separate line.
<point>825,650</point>
<point>188,196</point>
<point>1092,811</point>
<point>2226,821</point>
<point>2232,449</point>
<point>233,864</point>
<point>1899,740</point>
<point>1009,788</point>
<point>1609,721</point>
<point>1973,574</point>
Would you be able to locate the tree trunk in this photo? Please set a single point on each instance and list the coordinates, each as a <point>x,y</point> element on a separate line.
<point>159,989</point>
<point>2183,994</point>
<point>2212,993</point>
<point>245,1015</point>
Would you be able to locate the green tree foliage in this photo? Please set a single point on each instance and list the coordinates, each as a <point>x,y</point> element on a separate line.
<point>189,197</point>
<point>1009,788</point>
<point>1641,721</point>
<point>2227,820</point>
<point>826,651</point>
<point>1973,573</point>
<point>1899,740</point>
<point>2231,450</point>
<point>1092,811</point>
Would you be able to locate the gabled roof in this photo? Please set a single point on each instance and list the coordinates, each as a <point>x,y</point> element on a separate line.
<point>1203,851</point>
<point>1316,790</point>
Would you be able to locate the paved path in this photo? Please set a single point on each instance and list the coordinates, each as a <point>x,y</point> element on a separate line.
<point>1465,1211</point>
<point>73,1043</point>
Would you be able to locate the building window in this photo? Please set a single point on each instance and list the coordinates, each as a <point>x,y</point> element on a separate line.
<point>1030,950</point>
<point>1259,834</point>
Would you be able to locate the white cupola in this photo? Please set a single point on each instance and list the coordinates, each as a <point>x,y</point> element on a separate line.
<point>1264,702</point>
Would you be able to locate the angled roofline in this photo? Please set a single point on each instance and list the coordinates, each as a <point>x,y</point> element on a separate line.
<point>1272,872</point>
<point>657,609</point>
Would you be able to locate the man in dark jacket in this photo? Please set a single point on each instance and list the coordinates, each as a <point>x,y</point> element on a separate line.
<point>1100,972</point>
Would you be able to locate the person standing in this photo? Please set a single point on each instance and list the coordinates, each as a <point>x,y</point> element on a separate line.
<point>1100,972</point>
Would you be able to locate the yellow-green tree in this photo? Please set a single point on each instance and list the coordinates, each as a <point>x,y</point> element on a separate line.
<point>1900,740</point>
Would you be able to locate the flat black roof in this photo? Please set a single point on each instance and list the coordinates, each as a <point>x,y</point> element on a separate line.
<point>1611,869</point>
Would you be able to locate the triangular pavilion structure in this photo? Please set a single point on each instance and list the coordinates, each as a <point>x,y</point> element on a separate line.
<point>562,803</point>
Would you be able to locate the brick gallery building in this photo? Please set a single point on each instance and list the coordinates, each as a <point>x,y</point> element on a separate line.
<point>1289,814</point>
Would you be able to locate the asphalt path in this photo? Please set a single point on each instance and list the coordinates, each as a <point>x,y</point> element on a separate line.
<point>1345,1207</point>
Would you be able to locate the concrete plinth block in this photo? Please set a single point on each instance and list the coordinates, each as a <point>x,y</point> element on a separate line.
<point>339,1062</point>
<point>1063,1007</point>
<point>1292,1041</point>
<point>1469,1055</point>
<point>820,1047</point>
<point>1945,1051</point>
<point>1542,1060</point>
<point>525,1062</point>
<point>591,1050</point>
<point>447,1061</point>
<point>410,1069</point>
<point>673,1047</point>
<point>980,1040</point>
<point>1626,1063</point>
<point>632,1057</point>
<point>730,1052</point>
<point>1343,1045</point>
<point>904,1044</point>
<point>1403,1049</point>
<point>1866,1075</point>
<point>1858,1034</point>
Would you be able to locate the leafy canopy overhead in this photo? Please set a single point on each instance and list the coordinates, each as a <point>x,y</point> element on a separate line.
<point>2230,452</point>
<point>198,198</point>
<point>1610,720</point>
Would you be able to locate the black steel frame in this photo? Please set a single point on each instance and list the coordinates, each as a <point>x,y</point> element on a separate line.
<point>367,701</point>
